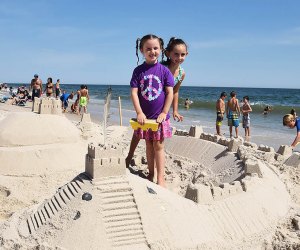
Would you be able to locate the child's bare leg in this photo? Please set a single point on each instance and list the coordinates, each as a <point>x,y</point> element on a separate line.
<point>133,144</point>
<point>218,129</point>
<point>150,159</point>
<point>159,153</point>
<point>236,132</point>
<point>230,131</point>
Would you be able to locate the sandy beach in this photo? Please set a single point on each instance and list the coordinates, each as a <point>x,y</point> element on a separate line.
<point>220,194</point>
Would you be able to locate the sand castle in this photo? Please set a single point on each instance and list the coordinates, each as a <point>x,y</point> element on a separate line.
<point>47,106</point>
<point>128,212</point>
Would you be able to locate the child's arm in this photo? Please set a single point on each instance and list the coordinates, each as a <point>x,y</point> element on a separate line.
<point>247,109</point>
<point>297,140</point>
<point>141,118</point>
<point>168,102</point>
<point>238,107</point>
<point>176,88</point>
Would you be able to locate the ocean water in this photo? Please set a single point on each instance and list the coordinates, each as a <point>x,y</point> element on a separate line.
<point>265,129</point>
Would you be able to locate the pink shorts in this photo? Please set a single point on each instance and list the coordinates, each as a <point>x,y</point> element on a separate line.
<point>164,131</point>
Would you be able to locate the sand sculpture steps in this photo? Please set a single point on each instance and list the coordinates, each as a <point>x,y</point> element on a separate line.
<point>52,206</point>
<point>121,217</point>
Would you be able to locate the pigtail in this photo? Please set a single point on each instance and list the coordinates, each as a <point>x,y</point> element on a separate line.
<point>293,113</point>
<point>161,41</point>
<point>137,50</point>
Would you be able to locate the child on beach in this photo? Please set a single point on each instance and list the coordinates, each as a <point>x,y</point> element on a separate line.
<point>246,109</point>
<point>292,121</point>
<point>83,98</point>
<point>233,113</point>
<point>152,95</point>
<point>176,51</point>
<point>220,108</point>
<point>65,100</point>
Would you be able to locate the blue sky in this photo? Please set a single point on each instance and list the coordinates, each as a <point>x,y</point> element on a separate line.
<point>244,43</point>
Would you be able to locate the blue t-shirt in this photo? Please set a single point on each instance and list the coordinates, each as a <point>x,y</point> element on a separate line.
<point>64,97</point>
<point>297,124</point>
<point>151,81</point>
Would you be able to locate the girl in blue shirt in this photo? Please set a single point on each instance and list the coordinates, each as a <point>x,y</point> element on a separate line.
<point>292,121</point>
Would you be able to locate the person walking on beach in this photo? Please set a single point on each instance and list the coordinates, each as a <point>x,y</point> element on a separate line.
<point>36,86</point>
<point>220,108</point>
<point>292,121</point>
<point>152,94</point>
<point>233,113</point>
<point>49,87</point>
<point>57,88</point>
<point>83,98</point>
<point>246,109</point>
<point>176,52</point>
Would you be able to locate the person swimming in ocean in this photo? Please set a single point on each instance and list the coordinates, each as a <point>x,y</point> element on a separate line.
<point>267,110</point>
<point>187,103</point>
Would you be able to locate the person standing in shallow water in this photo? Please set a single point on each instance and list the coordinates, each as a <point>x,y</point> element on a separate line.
<point>220,109</point>
<point>246,109</point>
<point>233,113</point>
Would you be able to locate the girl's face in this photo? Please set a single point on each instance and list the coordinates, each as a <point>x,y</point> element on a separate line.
<point>178,54</point>
<point>291,124</point>
<point>151,51</point>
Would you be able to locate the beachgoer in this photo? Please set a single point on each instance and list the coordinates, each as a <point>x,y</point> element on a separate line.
<point>49,87</point>
<point>220,108</point>
<point>291,120</point>
<point>176,51</point>
<point>83,98</point>
<point>74,107</point>
<point>233,113</point>
<point>36,86</point>
<point>267,110</point>
<point>187,103</point>
<point>152,94</point>
<point>57,88</point>
<point>65,100</point>
<point>246,109</point>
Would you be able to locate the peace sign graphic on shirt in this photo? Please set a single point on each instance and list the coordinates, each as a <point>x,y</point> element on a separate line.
<point>148,92</point>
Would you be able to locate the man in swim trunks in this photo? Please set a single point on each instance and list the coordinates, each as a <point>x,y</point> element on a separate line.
<point>83,98</point>
<point>220,108</point>
<point>233,113</point>
<point>36,86</point>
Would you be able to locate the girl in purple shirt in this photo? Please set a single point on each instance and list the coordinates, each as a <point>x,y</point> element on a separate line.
<point>152,95</point>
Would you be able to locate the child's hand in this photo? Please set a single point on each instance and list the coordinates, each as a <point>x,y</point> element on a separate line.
<point>177,117</point>
<point>141,118</point>
<point>162,117</point>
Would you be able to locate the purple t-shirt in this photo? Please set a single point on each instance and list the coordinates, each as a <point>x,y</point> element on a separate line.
<point>151,80</point>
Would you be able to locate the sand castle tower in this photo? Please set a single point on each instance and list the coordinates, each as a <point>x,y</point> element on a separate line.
<point>86,125</point>
<point>104,161</point>
<point>47,106</point>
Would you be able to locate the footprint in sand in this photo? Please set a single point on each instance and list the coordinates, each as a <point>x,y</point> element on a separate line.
<point>4,193</point>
